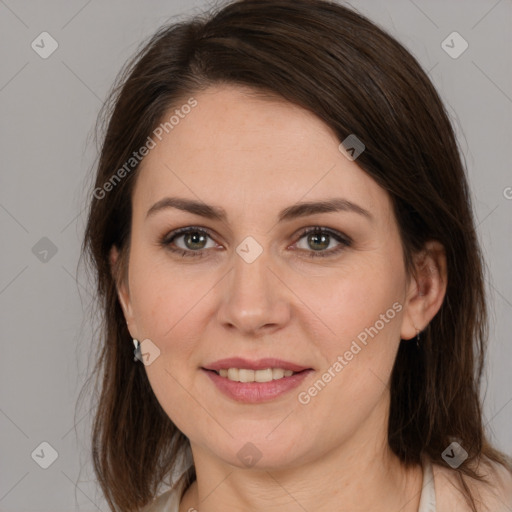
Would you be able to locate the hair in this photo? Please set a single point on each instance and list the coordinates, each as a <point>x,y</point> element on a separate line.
<point>358,80</point>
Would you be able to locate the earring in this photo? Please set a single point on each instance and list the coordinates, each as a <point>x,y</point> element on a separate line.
<point>417,338</point>
<point>136,352</point>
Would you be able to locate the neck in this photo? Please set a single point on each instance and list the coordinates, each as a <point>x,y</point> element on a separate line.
<point>361,474</point>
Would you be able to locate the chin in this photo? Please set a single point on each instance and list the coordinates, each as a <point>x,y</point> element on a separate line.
<point>257,452</point>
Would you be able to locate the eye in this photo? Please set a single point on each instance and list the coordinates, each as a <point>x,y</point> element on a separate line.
<point>194,241</point>
<point>319,239</point>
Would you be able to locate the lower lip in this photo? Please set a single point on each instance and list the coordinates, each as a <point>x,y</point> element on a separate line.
<point>256,392</point>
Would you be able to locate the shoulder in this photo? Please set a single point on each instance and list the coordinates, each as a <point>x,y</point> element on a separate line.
<point>493,497</point>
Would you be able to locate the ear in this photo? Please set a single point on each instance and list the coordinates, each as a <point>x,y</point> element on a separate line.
<point>123,292</point>
<point>426,290</point>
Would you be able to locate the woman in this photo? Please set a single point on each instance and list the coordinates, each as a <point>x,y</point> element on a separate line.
<point>281,225</point>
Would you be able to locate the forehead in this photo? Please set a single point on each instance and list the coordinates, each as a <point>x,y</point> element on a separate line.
<point>235,146</point>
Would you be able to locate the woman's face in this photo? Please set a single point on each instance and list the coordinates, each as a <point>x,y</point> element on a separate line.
<point>255,286</point>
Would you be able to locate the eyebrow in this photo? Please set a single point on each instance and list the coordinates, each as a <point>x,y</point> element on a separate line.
<point>292,212</point>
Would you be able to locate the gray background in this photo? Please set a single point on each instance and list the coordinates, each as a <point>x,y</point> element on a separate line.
<point>48,109</point>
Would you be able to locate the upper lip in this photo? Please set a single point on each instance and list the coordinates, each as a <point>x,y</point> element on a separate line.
<point>260,364</point>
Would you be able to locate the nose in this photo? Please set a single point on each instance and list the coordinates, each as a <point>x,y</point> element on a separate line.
<point>255,299</point>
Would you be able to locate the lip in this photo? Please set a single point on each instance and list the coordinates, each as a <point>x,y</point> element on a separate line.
<point>256,392</point>
<point>260,364</point>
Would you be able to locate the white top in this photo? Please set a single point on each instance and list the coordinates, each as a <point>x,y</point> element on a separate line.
<point>428,490</point>
<point>170,501</point>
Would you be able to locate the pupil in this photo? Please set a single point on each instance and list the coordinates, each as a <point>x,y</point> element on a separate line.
<point>323,237</point>
<point>195,237</point>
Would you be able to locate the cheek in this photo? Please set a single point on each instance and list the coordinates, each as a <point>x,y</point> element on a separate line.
<point>166,308</point>
<point>358,360</point>
<point>165,296</point>
<point>360,312</point>
<point>361,301</point>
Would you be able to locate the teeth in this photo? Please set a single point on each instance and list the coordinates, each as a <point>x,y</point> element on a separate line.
<point>243,375</point>
<point>277,373</point>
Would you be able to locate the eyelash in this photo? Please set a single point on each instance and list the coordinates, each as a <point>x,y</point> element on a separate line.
<point>343,240</point>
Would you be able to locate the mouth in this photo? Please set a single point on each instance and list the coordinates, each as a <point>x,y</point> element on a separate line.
<point>255,381</point>
<point>248,375</point>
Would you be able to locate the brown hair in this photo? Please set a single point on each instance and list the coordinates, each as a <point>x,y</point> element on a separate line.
<point>339,65</point>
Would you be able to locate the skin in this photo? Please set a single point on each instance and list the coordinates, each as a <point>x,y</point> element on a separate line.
<point>254,157</point>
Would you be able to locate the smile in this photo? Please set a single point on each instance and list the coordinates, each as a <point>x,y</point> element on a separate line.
<point>241,384</point>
